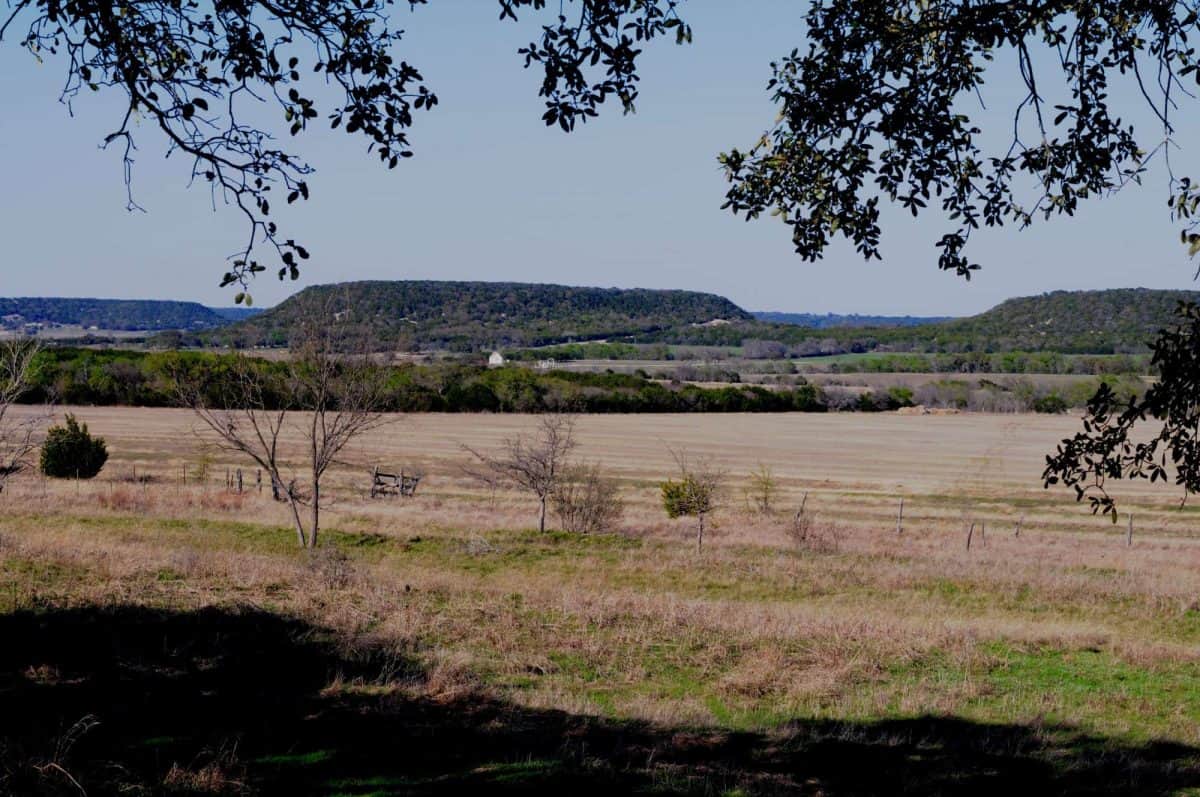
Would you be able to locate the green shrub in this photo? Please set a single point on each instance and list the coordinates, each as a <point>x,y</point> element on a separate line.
<point>901,396</point>
<point>677,497</point>
<point>70,451</point>
<point>694,495</point>
<point>1052,404</point>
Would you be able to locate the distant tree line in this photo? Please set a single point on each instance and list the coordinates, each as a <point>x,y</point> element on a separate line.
<point>135,378</point>
<point>592,351</point>
<point>1014,362</point>
<point>115,377</point>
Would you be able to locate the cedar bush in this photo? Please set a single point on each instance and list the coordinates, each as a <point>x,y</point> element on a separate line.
<point>70,451</point>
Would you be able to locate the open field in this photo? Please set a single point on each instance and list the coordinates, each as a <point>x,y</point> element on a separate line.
<point>74,331</point>
<point>438,644</point>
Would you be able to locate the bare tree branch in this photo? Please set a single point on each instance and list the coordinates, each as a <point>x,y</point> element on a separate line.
<point>17,437</point>
<point>536,466</point>
<point>330,397</point>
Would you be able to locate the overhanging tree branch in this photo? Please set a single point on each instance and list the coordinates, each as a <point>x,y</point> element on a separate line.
<point>196,70</point>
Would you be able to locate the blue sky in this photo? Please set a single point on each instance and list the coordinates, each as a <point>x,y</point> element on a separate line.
<point>492,194</point>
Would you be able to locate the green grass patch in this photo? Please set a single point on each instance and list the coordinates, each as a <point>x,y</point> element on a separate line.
<point>1092,688</point>
<point>298,759</point>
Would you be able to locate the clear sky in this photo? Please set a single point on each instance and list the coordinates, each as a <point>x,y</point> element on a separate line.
<point>493,195</point>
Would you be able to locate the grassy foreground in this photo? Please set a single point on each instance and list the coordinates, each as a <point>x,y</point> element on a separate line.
<point>155,648</point>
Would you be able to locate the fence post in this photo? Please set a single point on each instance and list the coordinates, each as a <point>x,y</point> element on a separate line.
<point>1129,535</point>
<point>1019,521</point>
<point>970,533</point>
<point>239,481</point>
<point>900,518</point>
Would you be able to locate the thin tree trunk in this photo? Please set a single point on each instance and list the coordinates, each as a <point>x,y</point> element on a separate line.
<point>316,513</point>
<point>700,533</point>
<point>296,519</point>
<point>542,516</point>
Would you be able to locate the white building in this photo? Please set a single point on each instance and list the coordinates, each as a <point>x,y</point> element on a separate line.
<point>495,360</point>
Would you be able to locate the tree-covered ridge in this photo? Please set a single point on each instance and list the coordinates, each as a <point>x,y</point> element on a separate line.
<point>470,316</point>
<point>1075,322</point>
<point>466,316</point>
<point>1123,318</point>
<point>109,314</point>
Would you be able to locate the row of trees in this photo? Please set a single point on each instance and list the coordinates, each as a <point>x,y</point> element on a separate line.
<point>133,378</point>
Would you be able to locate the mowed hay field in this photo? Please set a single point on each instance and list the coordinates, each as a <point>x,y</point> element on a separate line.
<point>158,636</point>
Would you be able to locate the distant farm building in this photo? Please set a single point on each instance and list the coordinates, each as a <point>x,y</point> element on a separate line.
<point>495,360</point>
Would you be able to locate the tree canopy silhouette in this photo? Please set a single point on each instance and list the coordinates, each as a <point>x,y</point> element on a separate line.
<point>881,107</point>
<point>877,109</point>
<point>194,70</point>
<point>1108,447</point>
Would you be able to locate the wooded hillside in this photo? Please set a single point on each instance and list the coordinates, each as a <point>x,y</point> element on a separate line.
<point>468,316</point>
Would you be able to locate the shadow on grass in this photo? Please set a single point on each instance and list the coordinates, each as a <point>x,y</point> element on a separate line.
<point>134,701</point>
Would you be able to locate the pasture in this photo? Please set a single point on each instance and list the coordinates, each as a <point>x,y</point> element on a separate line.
<point>163,634</point>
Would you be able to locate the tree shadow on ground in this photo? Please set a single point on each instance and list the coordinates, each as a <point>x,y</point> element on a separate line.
<point>128,700</point>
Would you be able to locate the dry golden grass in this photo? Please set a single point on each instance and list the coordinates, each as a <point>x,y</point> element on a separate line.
<point>1064,623</point>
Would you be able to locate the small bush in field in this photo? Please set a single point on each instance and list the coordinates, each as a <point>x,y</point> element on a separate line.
<point>586,501</point>
<point>696,494</point>
<point>71,452</point>
<point>761,490</point>
<point>1050,404</point>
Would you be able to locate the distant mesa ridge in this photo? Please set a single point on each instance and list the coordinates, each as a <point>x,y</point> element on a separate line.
<point>475,316</point>
<point>133,315</point>
<point>485,316</point>
<point>467,316</point>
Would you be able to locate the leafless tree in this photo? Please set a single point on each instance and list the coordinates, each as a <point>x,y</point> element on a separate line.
<point>537,465</point>
<point>329,396</point>
<point>342,395</point>
<point>247,408</point>
<point>17,437</point>
<point>698,492</point>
